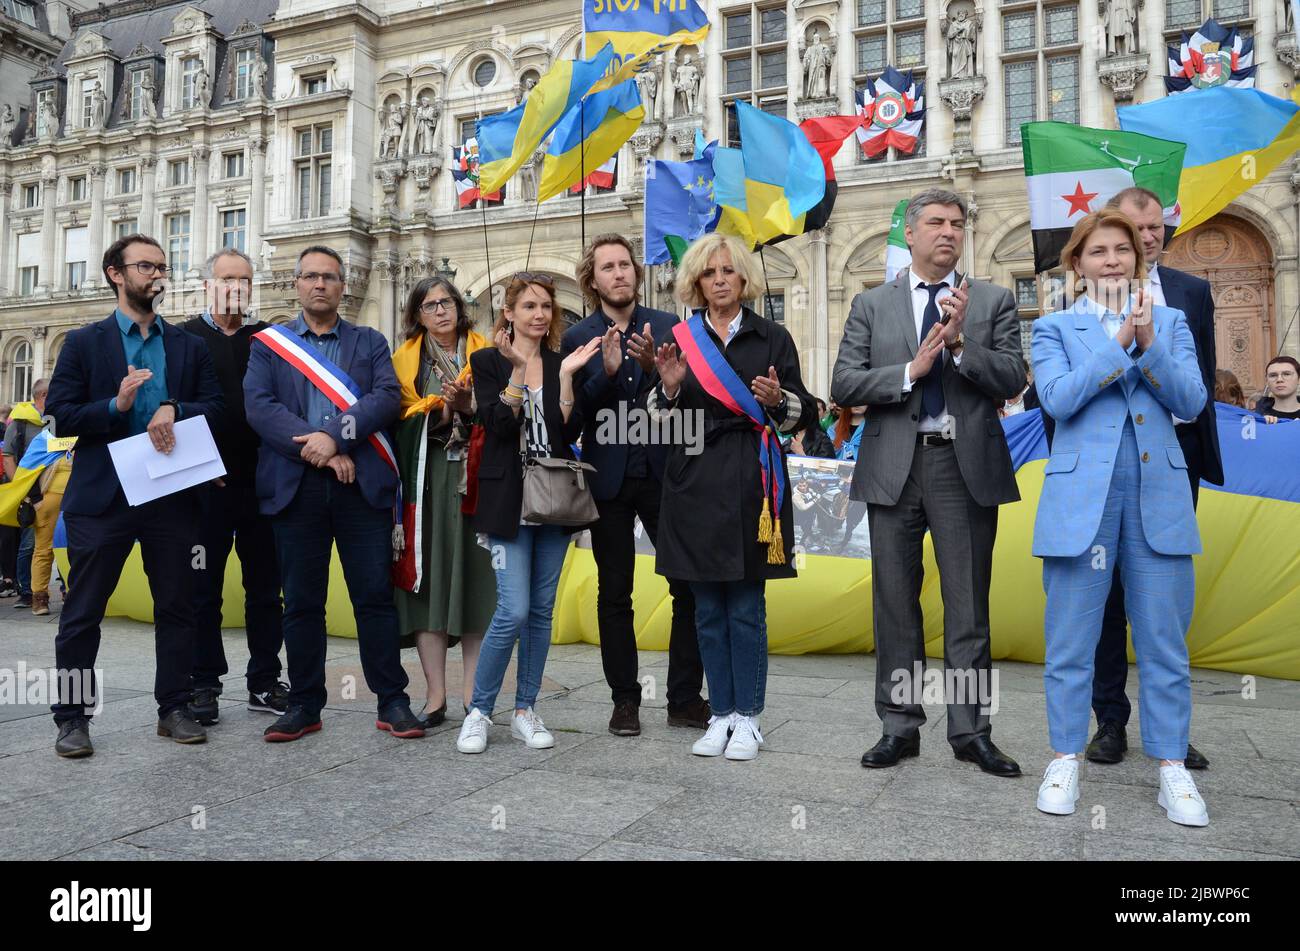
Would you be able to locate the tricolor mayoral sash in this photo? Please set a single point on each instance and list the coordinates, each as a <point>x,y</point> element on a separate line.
<point>720,381</point>
<point>343,392</point>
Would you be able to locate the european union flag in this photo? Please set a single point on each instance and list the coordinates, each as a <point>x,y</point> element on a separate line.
<point>678,201</point>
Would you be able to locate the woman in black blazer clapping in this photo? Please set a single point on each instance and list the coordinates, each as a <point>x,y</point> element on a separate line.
<point>521,385</point>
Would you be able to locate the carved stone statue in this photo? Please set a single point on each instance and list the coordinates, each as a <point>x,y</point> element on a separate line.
<point>47,121</point>
<point>390,140</point>
<point>962,35</point>
<point>1120,19</point>
<point>7,123</point>
<point>147,96</point>
<point>817,68</point>
<point>98,106</point>
<point>202,88</point>
<point>647,83</point>
<point>258,77</point>
<point>426,119</point>
<point>687,79</point>
<point>530,174</point>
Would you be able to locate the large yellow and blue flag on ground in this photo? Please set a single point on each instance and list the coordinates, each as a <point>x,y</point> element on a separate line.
<point>1234,138</point>
<point>507,140</point>
<point>588,135</point>
<point>767,185</point>
<point>639,30</point>
<point>43,450</point>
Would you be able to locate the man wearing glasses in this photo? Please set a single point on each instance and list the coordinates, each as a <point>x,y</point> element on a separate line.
<point>229,506</point>
<point>327,477</point>
<point>129,374</point>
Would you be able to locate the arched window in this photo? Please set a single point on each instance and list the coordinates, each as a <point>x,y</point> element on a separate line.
<point>20,387</point>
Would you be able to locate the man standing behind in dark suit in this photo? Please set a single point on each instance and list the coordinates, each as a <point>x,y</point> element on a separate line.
<point>229,506</point>
<point>1199,439</point>
<point>129,374</point>
<point>933,355</point>
<point>628,480</point>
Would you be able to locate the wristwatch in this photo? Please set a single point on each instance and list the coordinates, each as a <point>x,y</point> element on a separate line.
<point>957,344</point>
<point>174,404</point>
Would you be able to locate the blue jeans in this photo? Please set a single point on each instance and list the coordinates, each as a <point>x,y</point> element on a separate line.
<point>528,570</point>
<point>323,515</point>
<point>731,618</point>
<point>1158,595</point>
<point>25,549</point>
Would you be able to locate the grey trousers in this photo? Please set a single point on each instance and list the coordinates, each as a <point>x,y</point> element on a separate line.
<point>934,497</point>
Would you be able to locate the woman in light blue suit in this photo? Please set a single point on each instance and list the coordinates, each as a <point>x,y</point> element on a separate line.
<point>1112,370</point>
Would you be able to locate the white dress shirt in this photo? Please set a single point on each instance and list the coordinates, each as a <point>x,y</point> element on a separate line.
<point>1157,288</point>
<point>920,298</point>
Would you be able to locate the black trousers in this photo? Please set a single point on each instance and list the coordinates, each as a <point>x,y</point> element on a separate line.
<point>1110,664</point>
<point>614,548</point>
<point>98,546</point>
<point>9,552</point>
<point>229,515</point>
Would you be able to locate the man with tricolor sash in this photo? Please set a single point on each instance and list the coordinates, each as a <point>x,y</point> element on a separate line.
<point>320,393</point>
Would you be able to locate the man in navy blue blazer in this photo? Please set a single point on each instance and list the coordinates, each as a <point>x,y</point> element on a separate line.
<point>628,479</point>
<point>129,374</point>
<point>1199,439</point>
<point>325,485</point>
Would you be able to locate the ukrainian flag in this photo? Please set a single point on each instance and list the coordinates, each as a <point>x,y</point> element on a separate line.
<point>43,450</point>
<point>607,120</point>
<point>779,176</point>
<point>639,30</point>
<point>507,140</point>
<point>1234,138</point>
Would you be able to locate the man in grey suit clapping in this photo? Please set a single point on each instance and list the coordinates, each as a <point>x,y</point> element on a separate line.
<point>933,354</point>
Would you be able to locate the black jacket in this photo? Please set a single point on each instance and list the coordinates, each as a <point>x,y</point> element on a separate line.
<point>708,520</point>
<point>501,471</point>
<point>235,439</point>
<point>1192,296</point>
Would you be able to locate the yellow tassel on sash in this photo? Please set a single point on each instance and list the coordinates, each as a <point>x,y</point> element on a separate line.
<point>765,523</point>
<point>776,547</point>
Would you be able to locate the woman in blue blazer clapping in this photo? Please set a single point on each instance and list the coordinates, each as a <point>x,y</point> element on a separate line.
<point>1112,370</point>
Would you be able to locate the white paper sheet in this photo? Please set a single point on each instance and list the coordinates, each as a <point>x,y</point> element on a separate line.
<point>147,474</point>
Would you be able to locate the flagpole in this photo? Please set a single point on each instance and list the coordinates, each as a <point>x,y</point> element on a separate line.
<point>582,175</point>
<point>482,204</point>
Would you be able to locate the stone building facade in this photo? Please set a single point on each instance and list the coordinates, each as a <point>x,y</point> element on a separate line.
<point>351,145</point>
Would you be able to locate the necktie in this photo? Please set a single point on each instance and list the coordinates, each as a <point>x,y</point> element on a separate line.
<point>932,382</point>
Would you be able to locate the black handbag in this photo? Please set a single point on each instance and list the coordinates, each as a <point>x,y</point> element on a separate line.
<point>26,514</point>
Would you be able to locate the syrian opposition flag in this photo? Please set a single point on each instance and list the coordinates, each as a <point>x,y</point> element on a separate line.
<point>1072,170</point>
<point>892,110</point>
<point>602,177</point>
<point>464,173</point>
<point>1212,56</point>
<point>897,254</point>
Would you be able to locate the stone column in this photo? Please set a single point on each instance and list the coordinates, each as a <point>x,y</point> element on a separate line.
<point>38,353</point>
<point>199,221</point>
<point>49,195</point>
<point>148,188</point>
<point>5,189</point>
<point>95,230</point>
<point>256,194</point>
<point>819,362</point>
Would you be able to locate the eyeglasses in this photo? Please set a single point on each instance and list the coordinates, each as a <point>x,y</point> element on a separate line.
<point>311,277</point>
<point>530,278</point>
<point>147,268</point>
<point>433,306</point>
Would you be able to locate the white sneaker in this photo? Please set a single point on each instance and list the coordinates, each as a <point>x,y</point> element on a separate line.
<point>474,732</point>
<point>1179,798</point>
<point>528,726</point>
<point>745,739</point>
<point>714,740</point>
<point>1060,789</point>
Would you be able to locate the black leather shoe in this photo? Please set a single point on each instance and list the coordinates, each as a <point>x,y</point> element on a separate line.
<point>182,727</point>
<point>203,705</point>
<point>1195,759</point>
<point>626,719</point>
<point>890,749</point>
<point>434,718</point>
<point>694,715</point>
<point>988,757</point>
<point>74,738</point>
<point>400,721</point>
<point>1109,743</point>
<point>295,724</point>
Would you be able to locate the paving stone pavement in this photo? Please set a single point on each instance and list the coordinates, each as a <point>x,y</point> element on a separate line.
<point>352,792</point>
